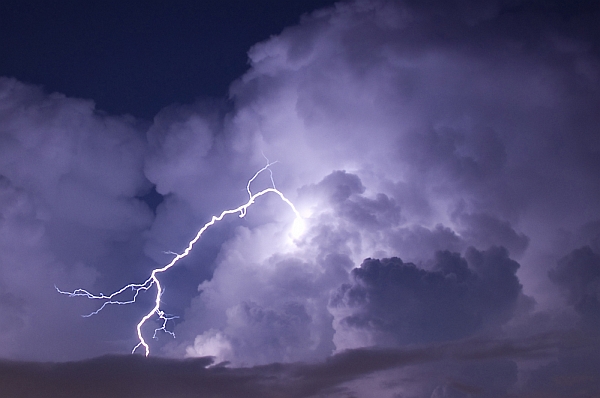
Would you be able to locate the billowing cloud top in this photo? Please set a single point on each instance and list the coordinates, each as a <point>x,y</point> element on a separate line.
<point>445,160</point>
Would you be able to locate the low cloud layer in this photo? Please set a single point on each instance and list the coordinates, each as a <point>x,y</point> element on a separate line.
<point>445,160</point>
<point>458,369</point>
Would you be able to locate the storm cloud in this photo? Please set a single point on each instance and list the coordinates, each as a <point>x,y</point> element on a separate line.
<point>445,159</point>
<point>457,368</point>
<point>69,181</point>
<point>403,304</point>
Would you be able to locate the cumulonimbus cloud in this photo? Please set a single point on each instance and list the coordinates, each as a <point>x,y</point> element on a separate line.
<point>455,148</point>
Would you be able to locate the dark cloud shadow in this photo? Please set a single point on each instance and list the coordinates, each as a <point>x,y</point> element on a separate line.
<point>136,376</point>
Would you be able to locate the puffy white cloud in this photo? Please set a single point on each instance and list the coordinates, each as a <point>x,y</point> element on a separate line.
<point>69,177</point>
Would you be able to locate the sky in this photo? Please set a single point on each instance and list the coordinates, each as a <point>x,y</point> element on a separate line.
<point>443,156</point>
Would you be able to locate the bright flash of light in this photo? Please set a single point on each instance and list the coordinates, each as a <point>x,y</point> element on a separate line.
<point>153,280</point>
<point>298,227</point>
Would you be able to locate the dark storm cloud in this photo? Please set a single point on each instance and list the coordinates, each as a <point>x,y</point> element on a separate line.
<point>579,274</point>
<point>483,230</point>
<point>573,374</point>
<point>135,376</point>
<point>415,240</point>
<point>403,304</point>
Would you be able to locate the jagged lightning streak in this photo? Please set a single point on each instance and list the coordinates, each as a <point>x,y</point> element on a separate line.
<point>153,279</point>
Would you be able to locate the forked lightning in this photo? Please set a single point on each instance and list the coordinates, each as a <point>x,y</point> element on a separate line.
<point>153,279</point>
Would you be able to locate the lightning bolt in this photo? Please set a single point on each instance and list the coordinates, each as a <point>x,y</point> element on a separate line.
<point>153,280</point>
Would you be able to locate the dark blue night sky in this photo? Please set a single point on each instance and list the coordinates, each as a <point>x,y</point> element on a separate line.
<point>137,57</point>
